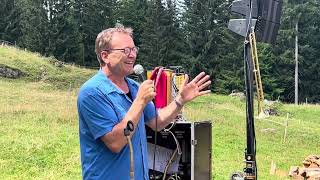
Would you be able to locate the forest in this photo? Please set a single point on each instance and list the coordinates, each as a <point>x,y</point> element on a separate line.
<point>188,33</point>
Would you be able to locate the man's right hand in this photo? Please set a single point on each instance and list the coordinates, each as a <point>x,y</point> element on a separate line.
<point>146,92</point>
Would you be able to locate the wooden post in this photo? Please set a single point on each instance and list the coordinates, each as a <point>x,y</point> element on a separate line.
<point>296,78</point>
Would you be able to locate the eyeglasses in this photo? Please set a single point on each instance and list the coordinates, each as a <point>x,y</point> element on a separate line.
<point>126,50</point>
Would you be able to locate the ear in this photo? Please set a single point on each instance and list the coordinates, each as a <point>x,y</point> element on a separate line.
<point>104,56</point>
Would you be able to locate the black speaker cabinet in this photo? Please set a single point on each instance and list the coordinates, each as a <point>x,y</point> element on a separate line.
<point>268,22</point>
<point>192,161</point>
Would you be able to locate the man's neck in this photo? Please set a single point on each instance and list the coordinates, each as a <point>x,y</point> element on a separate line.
<point>118,80</point>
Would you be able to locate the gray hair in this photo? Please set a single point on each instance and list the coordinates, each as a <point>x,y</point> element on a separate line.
<point>104,38</point>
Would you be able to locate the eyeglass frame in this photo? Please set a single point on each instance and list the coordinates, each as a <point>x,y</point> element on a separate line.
<point>124,50</point>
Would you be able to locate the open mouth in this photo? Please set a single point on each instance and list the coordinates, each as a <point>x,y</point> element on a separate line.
<point>130,63</point>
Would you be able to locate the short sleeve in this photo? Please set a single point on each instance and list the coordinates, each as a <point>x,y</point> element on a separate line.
<point>98,114</point>
<point>149,112</point>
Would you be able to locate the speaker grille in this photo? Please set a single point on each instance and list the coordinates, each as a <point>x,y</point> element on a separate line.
<point>268,22</point>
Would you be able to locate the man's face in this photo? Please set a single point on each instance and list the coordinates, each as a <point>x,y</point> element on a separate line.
<point>119,61</point>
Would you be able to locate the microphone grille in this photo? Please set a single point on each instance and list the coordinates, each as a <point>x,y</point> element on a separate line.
<point>138,69</point>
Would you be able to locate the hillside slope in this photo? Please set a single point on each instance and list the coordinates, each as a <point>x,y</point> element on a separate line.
<point>34,68</point>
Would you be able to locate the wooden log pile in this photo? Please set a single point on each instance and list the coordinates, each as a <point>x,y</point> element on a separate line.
<point>309,171</point>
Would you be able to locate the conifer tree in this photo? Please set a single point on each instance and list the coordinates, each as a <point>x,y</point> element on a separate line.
<point>211,46</point>
<point>11,28</point>
<point>93,17</point>
<point>162,42</point>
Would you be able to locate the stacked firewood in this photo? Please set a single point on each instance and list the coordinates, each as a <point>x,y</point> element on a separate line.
<point>309,171</point>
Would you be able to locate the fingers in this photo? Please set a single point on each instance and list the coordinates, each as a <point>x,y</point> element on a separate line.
<point>153,95</point>
<point>204,92</point>
<point>198,77</point>
<point>148,86</point>
<point>203,80</point>
<point>147,82</point>
<point>150,95</point>
<point>186,79</point>
<point>146,91</point>
<point>206,84</point>
<point>151,89</point>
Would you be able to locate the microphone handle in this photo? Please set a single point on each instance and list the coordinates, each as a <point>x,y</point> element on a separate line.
<point>142,77</point>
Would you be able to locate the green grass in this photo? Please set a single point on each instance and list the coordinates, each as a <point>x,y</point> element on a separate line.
<point>38,132</point>
<point>39,126</point>
<point>38,68</point>
<point>38,118</point>
<point>229,135</point>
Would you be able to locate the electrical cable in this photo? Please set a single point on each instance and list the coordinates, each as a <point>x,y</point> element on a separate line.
<point>177,150</point>
<point>156,129</point>
<point>130,128</point>
<point>131,158</point>
<point>172,125</point>
<point>176,141</point>
<point>174,177</point>
<point>169,163</point>
<point>155,140</point>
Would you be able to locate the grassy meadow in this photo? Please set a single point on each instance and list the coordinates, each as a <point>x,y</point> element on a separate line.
<point>38,132</point>
<point>39,125</point>
<point>229,135</point>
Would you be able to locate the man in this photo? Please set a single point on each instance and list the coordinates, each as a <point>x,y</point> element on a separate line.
<point>109,100</point>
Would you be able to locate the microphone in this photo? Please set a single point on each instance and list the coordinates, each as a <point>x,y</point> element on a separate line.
<point>139,71</point>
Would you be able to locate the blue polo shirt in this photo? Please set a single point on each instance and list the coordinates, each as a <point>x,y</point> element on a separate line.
<point>101,106</point>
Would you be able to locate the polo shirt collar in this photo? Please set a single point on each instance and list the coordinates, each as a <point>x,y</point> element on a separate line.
<point>111,87</point>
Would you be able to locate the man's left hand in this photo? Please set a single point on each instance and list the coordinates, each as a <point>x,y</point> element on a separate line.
<point>196,87</point>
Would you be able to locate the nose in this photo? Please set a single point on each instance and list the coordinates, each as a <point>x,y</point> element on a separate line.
<point>132,54</point>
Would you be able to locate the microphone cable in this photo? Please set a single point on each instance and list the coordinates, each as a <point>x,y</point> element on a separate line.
<point>156,129</point>
<point>155,137</point>
<point>130,128</point>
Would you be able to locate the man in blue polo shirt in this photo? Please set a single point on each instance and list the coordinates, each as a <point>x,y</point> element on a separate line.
<point>108,100</point>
